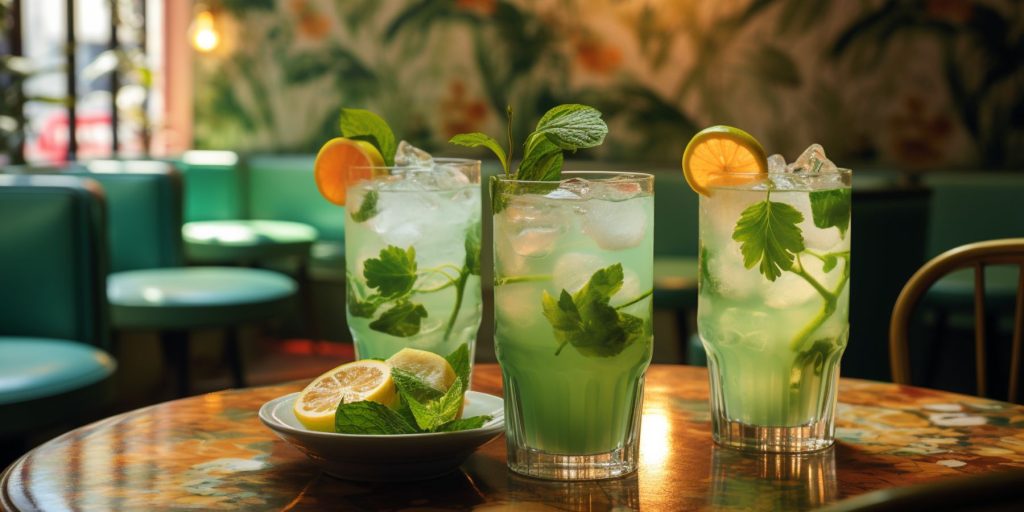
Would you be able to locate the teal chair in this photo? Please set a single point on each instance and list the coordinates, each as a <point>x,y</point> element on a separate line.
<point>150,290</point>
<point>53,311</point>
<point>222,227</point>
<point>676,242</point>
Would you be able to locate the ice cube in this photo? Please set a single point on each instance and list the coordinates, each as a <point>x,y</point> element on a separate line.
<point>615,225</point>
<point>732,279</point>
<point>408,155</point>
<point>532,227</point>
<point>404,218</point>
<point>574,269</point>
<point>812,160</point>
<point>777,164</point>
<point>572,188</point>
<point>739,326</point>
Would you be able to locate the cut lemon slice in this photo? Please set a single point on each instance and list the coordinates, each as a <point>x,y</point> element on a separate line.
<point>342,162</point>
<point>431,368</point>
<point>352,382</point>
<point>723,156</point>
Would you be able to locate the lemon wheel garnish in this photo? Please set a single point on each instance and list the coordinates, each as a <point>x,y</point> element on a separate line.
<point>722,156</point>
<point>352,382</point>
<point>342,162</point>
<point>431,368</point>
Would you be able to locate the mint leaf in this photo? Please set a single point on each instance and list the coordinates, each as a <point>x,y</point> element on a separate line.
<point>572,127</point>
<point>459,359</point>
<point>357,305</point>
<point>831,208</point>
<point>435,413</point>
<point>815,355</point>
<point>362,124</point>
<point>464,424</point>
<point>586,321</point>
<point>476,139</point>
<point>829,262</point>
<point>408,383</point>
<point>402,320</point>
<point>543,162</point>
<point>366,417</point>
<point>368,208</point>
<point>769,237</point>
<point>473,249</point>
<point>392,272</point>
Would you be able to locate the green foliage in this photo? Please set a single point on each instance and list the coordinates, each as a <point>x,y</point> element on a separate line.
<point>431,415</point>
<point>831,208</point>
<point>402,319</point>
<point>412,386</point>
<point>368,208</point>
<point>473,249</point>
<point>365,125</point>
<point>588,322</point>
<point>544,163</point>
<point>370,418</point>
<point>459,360</point>
<point>392,272</point>
<point>477,139</point>
<point>769,237</point>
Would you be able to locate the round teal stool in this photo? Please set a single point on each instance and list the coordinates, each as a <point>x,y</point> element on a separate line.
<point>44,380</point>
<point>176,300</point>
<point>249,242</point>
<point>246,241</point>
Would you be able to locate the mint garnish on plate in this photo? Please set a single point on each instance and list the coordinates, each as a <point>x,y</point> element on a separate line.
<point>421,409</point>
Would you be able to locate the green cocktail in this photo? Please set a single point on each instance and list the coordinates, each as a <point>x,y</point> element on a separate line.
<point>774,302</point>
<point>573,278</point>
<point>412,258</point>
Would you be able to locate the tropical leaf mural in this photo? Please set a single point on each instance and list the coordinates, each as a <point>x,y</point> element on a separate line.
<point>907,83</point>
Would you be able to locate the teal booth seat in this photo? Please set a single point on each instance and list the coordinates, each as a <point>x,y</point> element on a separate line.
<point>214,187</point>
<point>53,315</point>
<point>281,187</point>
<point>150,290</point>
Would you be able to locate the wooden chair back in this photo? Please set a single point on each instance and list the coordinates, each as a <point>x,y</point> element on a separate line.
<point>978,255</point>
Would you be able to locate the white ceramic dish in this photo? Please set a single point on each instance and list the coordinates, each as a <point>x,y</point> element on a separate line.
<point>386,458</point>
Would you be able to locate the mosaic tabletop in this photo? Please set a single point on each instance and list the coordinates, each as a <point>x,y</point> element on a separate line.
<point>210,452</point>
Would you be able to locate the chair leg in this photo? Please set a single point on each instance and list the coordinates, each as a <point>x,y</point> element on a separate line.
<point>234,350</point>
<point>175,348</point>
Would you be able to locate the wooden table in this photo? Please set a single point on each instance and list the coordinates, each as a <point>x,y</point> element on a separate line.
<point>211,452</point>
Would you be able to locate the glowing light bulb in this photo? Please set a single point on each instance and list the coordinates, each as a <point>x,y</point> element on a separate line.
<point>204,34</point>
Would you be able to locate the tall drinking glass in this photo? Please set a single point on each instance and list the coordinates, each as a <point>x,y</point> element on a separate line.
<point>412,258</point>
<point>573,276</point>
<point>773,306</point>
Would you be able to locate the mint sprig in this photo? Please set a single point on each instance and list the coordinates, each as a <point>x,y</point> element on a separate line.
<point>370,418</point>
<point>587,321</point>
<point>368,208</point>
<point>831,209</point>
<point>421,407</point>
<point>359,124</point>
<point>394,278</point>
<point>568,127</point>
<point>769,236</point>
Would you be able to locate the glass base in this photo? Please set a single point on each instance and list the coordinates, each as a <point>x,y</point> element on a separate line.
<point>811,437</point>
<point>552,466</point>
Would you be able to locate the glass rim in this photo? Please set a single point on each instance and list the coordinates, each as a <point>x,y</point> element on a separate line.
<point>439,160</point>
<point>637,177</point>
<point>839,171</point>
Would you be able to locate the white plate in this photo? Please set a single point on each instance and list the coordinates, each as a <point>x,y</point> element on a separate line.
<point>384,458</point>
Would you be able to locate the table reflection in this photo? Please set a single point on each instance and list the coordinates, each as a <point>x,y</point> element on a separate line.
<point>616,493</point>
<point>772,481</point>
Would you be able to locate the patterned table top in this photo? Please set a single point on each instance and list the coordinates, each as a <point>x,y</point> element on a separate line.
<point>210,452</point>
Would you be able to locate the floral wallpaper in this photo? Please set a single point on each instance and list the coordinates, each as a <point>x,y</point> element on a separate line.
<point>907,83</point>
